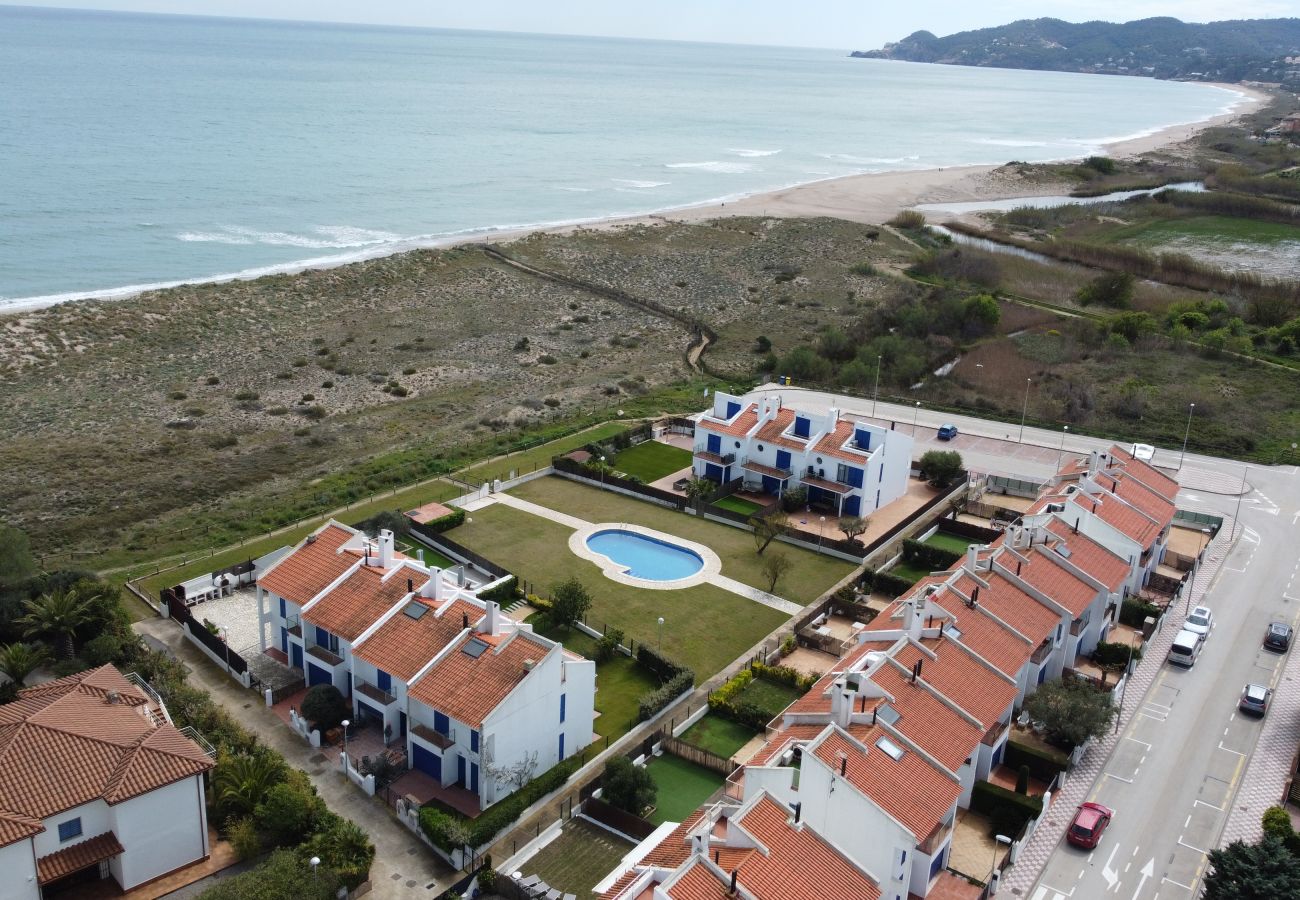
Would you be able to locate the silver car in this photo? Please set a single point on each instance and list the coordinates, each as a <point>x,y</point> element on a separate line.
<point>1254,699</point>
<point>1200,621</point>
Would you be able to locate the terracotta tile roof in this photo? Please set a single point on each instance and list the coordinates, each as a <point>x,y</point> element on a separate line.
<point>784,738</point>
<point>926,720</point>
<point>66,743</point>
<point>961,678</point>
<point>911,789</point>
<point>1146,500</point>
<point>77,857</point>
<point>1146,473</point>
<point>986,636</point>
<point>14,827</point>
<point>1091,557</point>
<point>468,688</point>
<point>772,432</point>
<point>740,426</point>
<point>817,699</point>
<point>361,599</point>
<point>673,850</point>
<point>403,646</point>
<point>832,444</point>
<point>1013,606</point>
<point>310,567</point>
<point>698,882</point>
<point>1125,519</point>
<point>1042,571</point>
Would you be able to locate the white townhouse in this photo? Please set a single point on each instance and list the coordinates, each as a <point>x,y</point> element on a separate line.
<point>849,467</point>
<point>95,783</point>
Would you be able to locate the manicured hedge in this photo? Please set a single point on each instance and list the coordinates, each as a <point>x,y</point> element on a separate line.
<point>653,702</point>
<point>725,700</point>
<point>1134,612</point>
<point>657,664</point>
<point>936,559</point>
<point>884,583</point>
<point>445,523</point>
<point>1043,764</point>
<point>440,827</point>
<point>504,593</point>
<point>1008,810</point>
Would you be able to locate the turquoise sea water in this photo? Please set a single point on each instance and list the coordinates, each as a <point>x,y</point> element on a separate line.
<point>140,150</point>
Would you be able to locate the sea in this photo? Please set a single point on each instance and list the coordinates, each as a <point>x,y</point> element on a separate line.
<point>140,151</point>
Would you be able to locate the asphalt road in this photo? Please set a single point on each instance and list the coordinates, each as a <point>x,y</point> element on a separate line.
<point>1177,770</point>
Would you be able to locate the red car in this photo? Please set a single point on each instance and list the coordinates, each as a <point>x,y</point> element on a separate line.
<point>1088,824</point>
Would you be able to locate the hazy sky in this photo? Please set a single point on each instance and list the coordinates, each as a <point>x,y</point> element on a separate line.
<point>847,24</point>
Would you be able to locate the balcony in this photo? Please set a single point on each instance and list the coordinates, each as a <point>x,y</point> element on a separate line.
<point>429,736</point>
<point>382,697</point>
<point>1040,655</point>
<point>770,471</point>
<point>1077,627</point>
<point>826,484</point>
<point>293,625</point>
<point>721,459</point>
<point>320,653</point>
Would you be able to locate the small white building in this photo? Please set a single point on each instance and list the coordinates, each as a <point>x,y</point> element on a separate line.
<point>849,467</point>
<point>95,783</point>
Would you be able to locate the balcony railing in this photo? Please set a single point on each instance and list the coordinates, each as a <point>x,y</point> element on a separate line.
<point>427,734</point>
<point>721,459</point>
<point>374,692</point>
<point>199,739</point>
<point>293,625</point>
<point>324,655</point>
<point>1044,650</point>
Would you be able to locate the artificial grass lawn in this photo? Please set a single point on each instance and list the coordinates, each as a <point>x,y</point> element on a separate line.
<point>537,457</point>
<point>810,575</point>
<point>737,505</point>
<point>682,787</point>
<point>705,627</point>
<point>910,572</point>
<point>950,542</point>
<point>431,557</point>
<point>577,860</point>
<point>769,695</point>
<point>718,735</point>
<point>620,682</point>
<point>651,460</point>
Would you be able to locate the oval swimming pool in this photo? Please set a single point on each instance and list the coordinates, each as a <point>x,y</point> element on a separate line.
<point>645,557</point>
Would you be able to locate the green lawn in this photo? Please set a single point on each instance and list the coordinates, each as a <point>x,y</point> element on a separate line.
<point>432,557</point>
<point>769,695</point>
<point>529,460</point>
<point>577,860</point>
<point>737,505</point>
<point>706,627</point>
<point>910,572</point>
<point>620,682</point>
<point>718,735</point>
<point>810,575</point>
<point>949,542</point>
<point>682,785</point>
<point>652,460</point>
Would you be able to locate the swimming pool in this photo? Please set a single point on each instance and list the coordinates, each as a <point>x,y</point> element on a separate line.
<point>645,557</point>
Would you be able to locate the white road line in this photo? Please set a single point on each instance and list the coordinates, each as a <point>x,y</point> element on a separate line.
<point>1117,778</point>
<point>1188,820</point>
<point>1158,705</point>
<point>1185,887</point>
<point>1153,718</point>
<point>1190,847</point>
<point>1136,741</point>
<point>1210,805</point>
<point>1229,749</point>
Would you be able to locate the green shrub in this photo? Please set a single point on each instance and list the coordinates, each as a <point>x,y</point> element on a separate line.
<point>607,646</point>
<point>629,787</point>
<point>885,583</point>
<point>1277,823</point>
<point>445,523</point>
<point>1134,612</point>
<point>324,707</point>
<point>1043,764</point>
<point>443,829</point>
<point>658,665</point>
<point>346,847</point>
<point>289,811</point>
<point>1007,810</point>
<point>1114,656</point>
<point>504,593</point>
<point>934,558</point>
<point>244,838</point>
<point>652,702</point>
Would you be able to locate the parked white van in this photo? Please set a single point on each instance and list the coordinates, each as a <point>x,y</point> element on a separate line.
<point>1185,648</point>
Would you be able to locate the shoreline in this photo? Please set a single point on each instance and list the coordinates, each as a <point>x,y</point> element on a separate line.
<point>869,198</point>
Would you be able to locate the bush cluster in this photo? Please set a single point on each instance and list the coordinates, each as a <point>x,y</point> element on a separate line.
<point>936,559</point>
<point>1134,612</point>
<point>885,583</point>
<point>652,702</point>
<point>1043,764</point>
<point>1007,810</point>
<point>445,829</point>
<point>727,701</point>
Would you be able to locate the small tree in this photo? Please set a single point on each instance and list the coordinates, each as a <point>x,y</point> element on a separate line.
<point>852,526</point>
<point>1277,823</point>
<point>699,491</point>
<point>241,781</point>
<point>569,602</point>
<point>607,646</point>
<point>629,787</point>
<point>1071,711</point>
<point>768,528</point>
<point>774,567</point>
<point>18,660</point>
<point>1263,871</point>
<point>940,466</point>
<point>793,499</point>
<point>324,707</point>
<point>388,520</point>
<point>763,344</point>
<point>1113,289</point>
<point>289,811</point>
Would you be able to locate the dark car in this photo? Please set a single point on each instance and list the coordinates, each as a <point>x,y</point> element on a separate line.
<point>1278,636</point>
<point>1089,822</point>
<point>1254,699</point>
<point>947,432</point>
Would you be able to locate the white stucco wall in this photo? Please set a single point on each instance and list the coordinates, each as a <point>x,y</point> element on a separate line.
<point>161,831</point>
<point>95,819</point>
<point>18,872</point>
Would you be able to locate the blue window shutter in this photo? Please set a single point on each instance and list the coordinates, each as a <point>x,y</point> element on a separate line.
<point>384,681</point>
<point>284,611</point>
<point>561,745</point>
<point>322,637</point>
<point>473,741</point>
<point>732,408</point>
<point>801,426</point>
<point>783,459</point>
<point>440,723</point>
<point>863,438</point>
<point>562,707</point>
<point>855,477</point>
<point>70,829</point>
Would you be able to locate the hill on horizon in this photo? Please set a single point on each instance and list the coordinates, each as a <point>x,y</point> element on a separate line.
<point>1265,50</point>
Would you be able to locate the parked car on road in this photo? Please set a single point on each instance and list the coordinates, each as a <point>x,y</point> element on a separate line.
<point>1254,699</point>
<point>1278,636</point>
<point>1089,822</point>
<point>947,432</point>
<point>1200,621</point>
<point>1185,648</point>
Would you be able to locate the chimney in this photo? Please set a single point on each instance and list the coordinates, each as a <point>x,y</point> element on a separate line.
<point>528,664</point>
<point>972,559</point>
<point>717,855</point>
<point>419,554</point>
<point>913,615</point>
<point>429,590</point>
<point>916,669</point>
<point>731,891</point>
<point>841,703</point>
<point>386,548</point>
<point>1076,526</point>
<point>1094,462</point>
<point>410,585</point>
<point>975,597</point>
<point>493,613</point>
<point>464,620</point>
<point>844,763</point>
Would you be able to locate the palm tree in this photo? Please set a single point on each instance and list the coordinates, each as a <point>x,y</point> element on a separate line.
<point>240,781</point>
<point>58,615</point>
<point>699,490</point>
<point>18,660</point>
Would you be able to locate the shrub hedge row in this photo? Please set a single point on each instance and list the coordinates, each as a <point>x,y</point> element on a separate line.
<point>1043,764</point>
<point>885,583</point>
<point>447,522</point>
<point>1134,612</point>
<point>444,829</point>
<point>657,664</point>
<point>653,701</point>
<point>934,558</point>
<point>504,593</point>
<point>726,702</point>
<point>1007,810</point>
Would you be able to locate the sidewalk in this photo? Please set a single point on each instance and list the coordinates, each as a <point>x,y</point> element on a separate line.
<point>1042,844</point>
<point>403,866</point>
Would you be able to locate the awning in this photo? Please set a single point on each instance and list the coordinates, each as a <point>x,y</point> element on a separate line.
<point>77,857</point>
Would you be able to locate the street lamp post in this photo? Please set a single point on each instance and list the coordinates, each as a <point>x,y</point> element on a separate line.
<point>1236,517</point>
<point>315,864</point>
<point>998,839</point>
<point>1196,568</point>
<point>875,394</point>
<point>1060,453</point>
<point>345,723</point>
<point>1191,407</point>
<point>1024,412</point>
<point>225,641</point>
<point>915,415</point>
<point>821,532</point>
<point>660,645</point>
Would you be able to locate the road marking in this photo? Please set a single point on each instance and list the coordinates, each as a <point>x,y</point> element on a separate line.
<point>1210,805</point>
<point>1111,876</point>
<point>1147,871</point>
<point>1188,820</point>
<point>1186,887</point>
<point>1117,778</point>
<point>1136,741</point>
<point>1230,750</point>
<point>1190,847</point>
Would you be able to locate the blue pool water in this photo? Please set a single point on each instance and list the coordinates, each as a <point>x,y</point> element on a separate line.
<point>645,557</point>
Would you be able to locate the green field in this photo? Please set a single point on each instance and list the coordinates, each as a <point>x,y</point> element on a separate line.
<point>769,696</point>
<point>620,681</point>
<point>718,735</point>
<point>737,505</point>
<point>682,785</point>
<point>705,627</point>
<point>810,574</point>
<point>949,542</point>
<point>1211,229</point>
<point>652,460</point>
